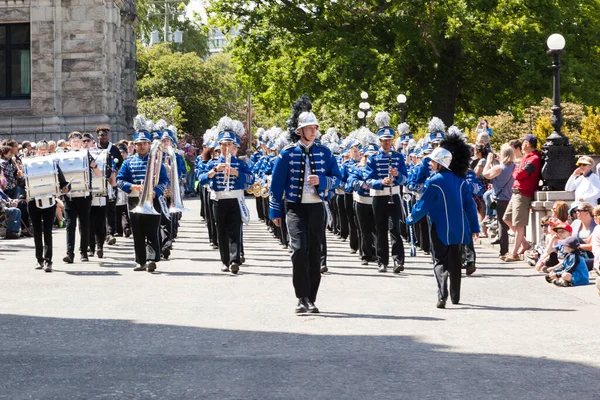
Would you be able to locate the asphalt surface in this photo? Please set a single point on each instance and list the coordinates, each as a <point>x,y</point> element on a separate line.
<point>99,330</point>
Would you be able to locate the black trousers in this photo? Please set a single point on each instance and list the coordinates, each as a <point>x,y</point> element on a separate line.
<point>423,235</point>
<point>42,220</point>
<point>501,206</point>
<point>342,215</point>
<point>352,226</point>
<point>25,219</point>
<point>335,225</point>
<point>365,216</point>
<point>144,228</point>
<point>306,233</point>
<point>111,217</point>
<point>78,208</point>
<point>229,230</point>
<point>122,218</point>
<point>446,263</point>
<point>387,218</point>
<point>211,223</point>
<point>260,211</point>
<point>97,226</point>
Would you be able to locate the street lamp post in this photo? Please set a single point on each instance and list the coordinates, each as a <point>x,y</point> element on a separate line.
<point>365,108</point>
<point>177,36</point>
<point>557,152</point>
<point>402,101</point>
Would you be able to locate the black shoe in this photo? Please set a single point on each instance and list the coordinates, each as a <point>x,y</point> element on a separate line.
<point>324,269</point>
<point>364,262</point>
<point>225,268</point>
<point>455,301</point>
<point>110,239</point>
<point>242,260</point>
<point>235,267</point>
<point>91,252</point>
<point>214,246</point>
<point>382,268</point>
<point>151,266</point>
<point>398,267</point>
<point>166,254</point>
<point>39,265</point>
<point>441,304</point>
<point>127,232</point>
<point>497,241</point>
<point>548,279</point>
<point>140,267</point>
<point>68,259</point>
<point>471,269</point>
<point>48,265</point>
<point>12,235</point>
<point>302,307</point>
<point>84,257</point>
<point>100,252</point>
<point>312,308</point>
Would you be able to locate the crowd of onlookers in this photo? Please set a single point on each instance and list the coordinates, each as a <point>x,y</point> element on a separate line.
<point>14,221</point>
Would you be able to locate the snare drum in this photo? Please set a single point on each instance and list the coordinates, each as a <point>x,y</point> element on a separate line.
<point>76,169</point>
<point>41,180</point>
<point>99,183</point>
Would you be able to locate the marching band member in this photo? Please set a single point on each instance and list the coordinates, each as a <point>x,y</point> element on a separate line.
<point>42,217</point>
<point>353,152</point>
<point>228,177</point>
<point>209,153</point>
<point>169,140</point>
<point>254,158</point>
<point>78,205</point>
<point>448,202</point>
<point>385,172</point>
<point>122,216</point>
<point>131,179</point>
<point>303,172</point>
<point>114,157</point>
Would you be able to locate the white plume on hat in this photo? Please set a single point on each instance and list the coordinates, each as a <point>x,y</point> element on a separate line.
<point>139,123</point>
<point>332,134</point>
<point>260,133</point>
<point>366,137</point>
<point>238,128</point>
<point>211,134</point>
<point>411,144</point>
<point>382,119</point>
<point>173,129</point>
<point>150,126</point>
<point>161,125</point>
<point>436,125</point>
<point>403,129</point>
<point>455,130</point>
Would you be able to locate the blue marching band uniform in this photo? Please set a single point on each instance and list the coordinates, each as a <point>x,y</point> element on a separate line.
<point>376,198</point>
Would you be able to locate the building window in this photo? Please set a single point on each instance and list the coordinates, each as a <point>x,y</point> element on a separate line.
<point>15,61</point>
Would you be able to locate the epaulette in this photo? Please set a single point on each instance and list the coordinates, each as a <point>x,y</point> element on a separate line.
<point>289,146</point>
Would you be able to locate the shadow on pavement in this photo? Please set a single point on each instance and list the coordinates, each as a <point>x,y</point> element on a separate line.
<point>56,358</point>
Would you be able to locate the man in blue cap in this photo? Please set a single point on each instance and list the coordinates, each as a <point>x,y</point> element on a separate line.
<point>131,179</point>
<point>385,173</point>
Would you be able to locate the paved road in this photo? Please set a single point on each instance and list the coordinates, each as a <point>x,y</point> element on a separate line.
<point>98,330</point>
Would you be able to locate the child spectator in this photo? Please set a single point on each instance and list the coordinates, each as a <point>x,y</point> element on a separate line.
<point>572,271</point>
<point>553,251</point>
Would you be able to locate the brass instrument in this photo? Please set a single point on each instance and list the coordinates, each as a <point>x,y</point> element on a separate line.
<point>146,205</point>
<point>255,189</point>
<point>176,204</point>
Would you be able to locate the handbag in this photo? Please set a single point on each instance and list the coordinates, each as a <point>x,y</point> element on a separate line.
<point>494,203</point>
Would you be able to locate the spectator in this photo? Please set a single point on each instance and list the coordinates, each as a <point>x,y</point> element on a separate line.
<point>572,271</point>
<point>9,213</point>
<point>502,182</point>
<point>527,176</point>
<point>9,169</point>
<point>190,161</point>
<point>560,210</point>
<point>583,226</point>
<point>517,145</point>
<point>546,224</point>
<point>594,240</point>
<point>477,165</point>
<point>549,258</point>
<point>483,127</point>
<point>26,148</point>
<point>584,182</point>
<point>62,146</point>
<point>51,147</point>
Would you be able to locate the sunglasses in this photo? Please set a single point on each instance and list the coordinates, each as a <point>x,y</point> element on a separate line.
<point>86,140</point>
<point>544,225</point>
<point>581,211</point>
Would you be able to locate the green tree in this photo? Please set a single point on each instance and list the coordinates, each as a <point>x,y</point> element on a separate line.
<point>456,59</point>
<point>204,90</point>
<point>166,108</point>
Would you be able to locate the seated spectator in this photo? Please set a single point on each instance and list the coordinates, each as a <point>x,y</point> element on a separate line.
<point>584,182</point>
<point>573,211</point>
<point>553,251</point>
<point>594,241</point>
<point>560,210</point>
<point>547,223</point>
<point>11,215</point>
<point>572,271</point>
<point>583,226</point>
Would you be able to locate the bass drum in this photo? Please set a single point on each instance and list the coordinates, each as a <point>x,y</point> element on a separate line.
<point>99,185</point>
<point>76,169</point>
<point>41,180</point>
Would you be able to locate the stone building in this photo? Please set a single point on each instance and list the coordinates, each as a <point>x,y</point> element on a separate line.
<point>66,65</point>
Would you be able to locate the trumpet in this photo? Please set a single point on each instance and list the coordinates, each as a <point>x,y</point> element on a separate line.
<point>146,205</point>
<point>176,204</point>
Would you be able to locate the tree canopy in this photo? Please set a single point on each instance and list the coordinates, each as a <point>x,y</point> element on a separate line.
<point>455,59</point>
